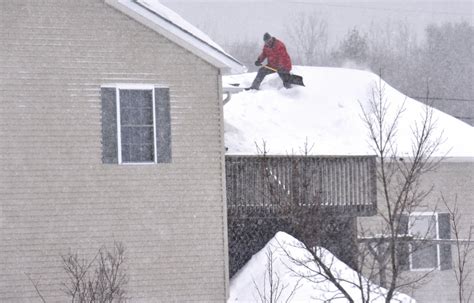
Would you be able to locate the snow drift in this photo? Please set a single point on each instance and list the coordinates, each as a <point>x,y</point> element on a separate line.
<point>327,114</point>
<point>250,283</point>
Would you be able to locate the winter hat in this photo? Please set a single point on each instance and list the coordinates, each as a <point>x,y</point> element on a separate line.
<point>266,37</point>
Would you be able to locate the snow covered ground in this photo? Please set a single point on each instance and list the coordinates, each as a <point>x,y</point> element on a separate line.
<point>252,281</point>
<point>325,113</point>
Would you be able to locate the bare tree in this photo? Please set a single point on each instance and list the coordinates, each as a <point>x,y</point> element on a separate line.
<point>100,280</point>
<point>400,192</point>
<point>273,286</point>
<point>316,270</point>
<point>244,51</point>
<point>464,249</point>
<point>399,178</point>
<point>296,203</point>
<point>308,32</point>
<point>37,289</point>
<point>353,49</point>
<point>261,149</point>
<point>390,41</point>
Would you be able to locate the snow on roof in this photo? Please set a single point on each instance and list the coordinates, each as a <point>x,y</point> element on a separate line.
<point>327,114</point>
<point>250,283</point>
<point>171,25</point>
<point>178,21</point>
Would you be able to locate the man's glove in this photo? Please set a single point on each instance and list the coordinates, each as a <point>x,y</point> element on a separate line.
<point>258,63</point>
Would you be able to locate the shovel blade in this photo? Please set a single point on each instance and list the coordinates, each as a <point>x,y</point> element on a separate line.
<point>296,80</point>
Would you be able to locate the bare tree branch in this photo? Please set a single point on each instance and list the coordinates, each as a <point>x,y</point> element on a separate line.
<point>464,249</point>
<point>36,286</point>
<point>399,178</point>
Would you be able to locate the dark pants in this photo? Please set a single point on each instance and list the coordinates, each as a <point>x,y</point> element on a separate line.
<point>263,72</point>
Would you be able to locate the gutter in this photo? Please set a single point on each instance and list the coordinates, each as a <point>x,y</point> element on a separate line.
<point>228,91</point>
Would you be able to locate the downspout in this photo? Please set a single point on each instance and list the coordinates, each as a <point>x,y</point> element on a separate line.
<point>229,91</point>
<point>227,98</point>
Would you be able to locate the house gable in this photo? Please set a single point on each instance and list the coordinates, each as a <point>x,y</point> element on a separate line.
<point>162,20</point>
<point>56,194</point>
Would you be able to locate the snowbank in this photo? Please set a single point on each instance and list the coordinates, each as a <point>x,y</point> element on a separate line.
<point>325,113</point>
<point>249,283</point>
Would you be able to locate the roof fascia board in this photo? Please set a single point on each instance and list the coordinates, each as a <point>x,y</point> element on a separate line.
<point>173,33</point>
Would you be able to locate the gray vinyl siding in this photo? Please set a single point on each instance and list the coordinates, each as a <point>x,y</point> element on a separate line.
<point>56,195</point>
<point>454,177</point>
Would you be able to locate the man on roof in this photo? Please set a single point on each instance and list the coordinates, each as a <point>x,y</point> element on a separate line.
<point>278,61</point>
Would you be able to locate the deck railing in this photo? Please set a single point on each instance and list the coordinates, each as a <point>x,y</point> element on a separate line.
<point>344,184</point>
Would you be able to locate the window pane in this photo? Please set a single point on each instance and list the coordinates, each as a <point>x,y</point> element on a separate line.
<point>136,118</point>
<point>423,226</point>
<point>424,256</point>
<point>136,107</point>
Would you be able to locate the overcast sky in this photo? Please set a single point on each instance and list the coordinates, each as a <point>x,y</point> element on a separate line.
<point>229,20</point>
<point>315,1</point>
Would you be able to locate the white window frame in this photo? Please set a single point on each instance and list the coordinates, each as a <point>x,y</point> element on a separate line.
<point>438,252</point>
<point>119,87</point>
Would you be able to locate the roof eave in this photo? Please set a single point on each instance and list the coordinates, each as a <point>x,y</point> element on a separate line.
<point>225,63</point>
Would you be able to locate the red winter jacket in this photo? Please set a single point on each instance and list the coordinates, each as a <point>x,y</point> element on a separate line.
<point>277,55</point>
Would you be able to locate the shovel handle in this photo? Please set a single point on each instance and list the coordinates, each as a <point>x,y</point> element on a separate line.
<point>270,68</point>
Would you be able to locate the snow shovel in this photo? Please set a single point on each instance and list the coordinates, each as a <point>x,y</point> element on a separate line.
<point>294,79</point>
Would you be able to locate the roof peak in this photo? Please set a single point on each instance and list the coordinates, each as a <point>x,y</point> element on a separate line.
<point>165,21</point>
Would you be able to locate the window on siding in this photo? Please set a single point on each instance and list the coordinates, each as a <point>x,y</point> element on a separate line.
<point>136,124</point>
<point>426,255</point>
<point>136,138</point>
